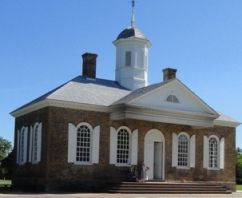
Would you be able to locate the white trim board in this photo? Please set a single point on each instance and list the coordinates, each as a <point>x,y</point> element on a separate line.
<point>58,103</point>
<point>121,111</point>
<point>165,116</point>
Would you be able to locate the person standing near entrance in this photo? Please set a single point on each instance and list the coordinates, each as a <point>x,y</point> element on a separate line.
<point>144,175</point>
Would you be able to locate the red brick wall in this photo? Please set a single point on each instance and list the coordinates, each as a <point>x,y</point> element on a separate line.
<point>58,171</point>
<point>29,174</point>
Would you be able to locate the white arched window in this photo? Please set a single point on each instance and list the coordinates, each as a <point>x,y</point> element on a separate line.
<point>83,143</point>
<point>22,137</point>
<point>35,137</point>
<point>213,152</point>
<point>183,150</point>
<point>35,143</point>
<point>123,146</point>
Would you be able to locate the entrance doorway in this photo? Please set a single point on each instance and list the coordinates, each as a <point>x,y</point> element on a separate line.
<point>158,160</point>
<point>154,154</point>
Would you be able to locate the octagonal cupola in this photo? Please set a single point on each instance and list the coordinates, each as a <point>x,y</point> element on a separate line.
<point>132,57</point>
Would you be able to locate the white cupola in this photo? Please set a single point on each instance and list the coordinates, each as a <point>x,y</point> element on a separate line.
<point>132,57</point>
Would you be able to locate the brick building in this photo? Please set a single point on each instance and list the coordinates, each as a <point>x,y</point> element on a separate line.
<point>89,131</point>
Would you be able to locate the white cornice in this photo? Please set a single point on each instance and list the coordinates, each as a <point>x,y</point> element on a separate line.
<point>226,123</point>
<point>135,112</point>
<point>167,111</point>
<point>195,119</point>
<point>165,116</point>
<point>58,103</point>
<point>29,108</point>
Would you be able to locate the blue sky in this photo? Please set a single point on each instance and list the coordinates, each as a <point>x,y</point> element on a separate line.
<point>41,43</point>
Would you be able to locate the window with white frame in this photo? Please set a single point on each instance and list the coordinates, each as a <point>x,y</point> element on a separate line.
<point>123,146</point>
<point>213,153</point>
<point>35,142</point>
<point>29,142</point>
<point>21,146</point>
<point>83,144</point>
<point>183,150</point>
<point>22,136</point>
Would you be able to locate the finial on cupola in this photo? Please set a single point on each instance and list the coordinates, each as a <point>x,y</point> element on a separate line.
<point>133,16</point>
<point>132,49</point>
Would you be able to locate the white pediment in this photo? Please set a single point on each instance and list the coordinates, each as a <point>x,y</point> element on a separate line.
<point>187,100</point>
<point>150,104</point>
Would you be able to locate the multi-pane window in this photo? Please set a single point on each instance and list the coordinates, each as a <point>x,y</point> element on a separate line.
<point>183,150</point>
<point>21,146</point>
<point>22,136</point>
<point>128,58</point>
<point>83,144</point>
<point>123,146</point>
<point>35,143</point>
<point>29,144</point>
<point>213,153</point>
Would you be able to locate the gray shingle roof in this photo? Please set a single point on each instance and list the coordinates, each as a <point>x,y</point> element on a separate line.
<point>101,92</point>
<point>139,92</point>
<point>86,91</point>
<point>90,91</point>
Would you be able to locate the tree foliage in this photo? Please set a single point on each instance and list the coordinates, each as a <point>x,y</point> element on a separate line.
<point>5,148</point>
<point>5,165</point>
<point>239,165</point>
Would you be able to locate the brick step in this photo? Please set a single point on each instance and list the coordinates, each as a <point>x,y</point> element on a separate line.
<point>164,183</point>
<point>167,188</point>
<point>156,188</point>
<point>170,192</point>
<point>168,185</point>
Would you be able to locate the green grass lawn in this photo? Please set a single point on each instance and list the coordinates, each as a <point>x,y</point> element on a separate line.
<point>5,182</point>
<point>238,187</point>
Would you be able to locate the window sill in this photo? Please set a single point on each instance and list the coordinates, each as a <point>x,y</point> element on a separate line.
<point>34,163</point>
<point>183,167</point>
<point>83,163</point>
<point>123,165</point>
<point>214,169</point>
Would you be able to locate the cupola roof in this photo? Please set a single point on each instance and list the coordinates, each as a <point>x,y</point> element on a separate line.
<point>131,32</point>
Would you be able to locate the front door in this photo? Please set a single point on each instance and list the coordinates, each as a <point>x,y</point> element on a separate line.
<point>158,160</point>
<point>154,154</point>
